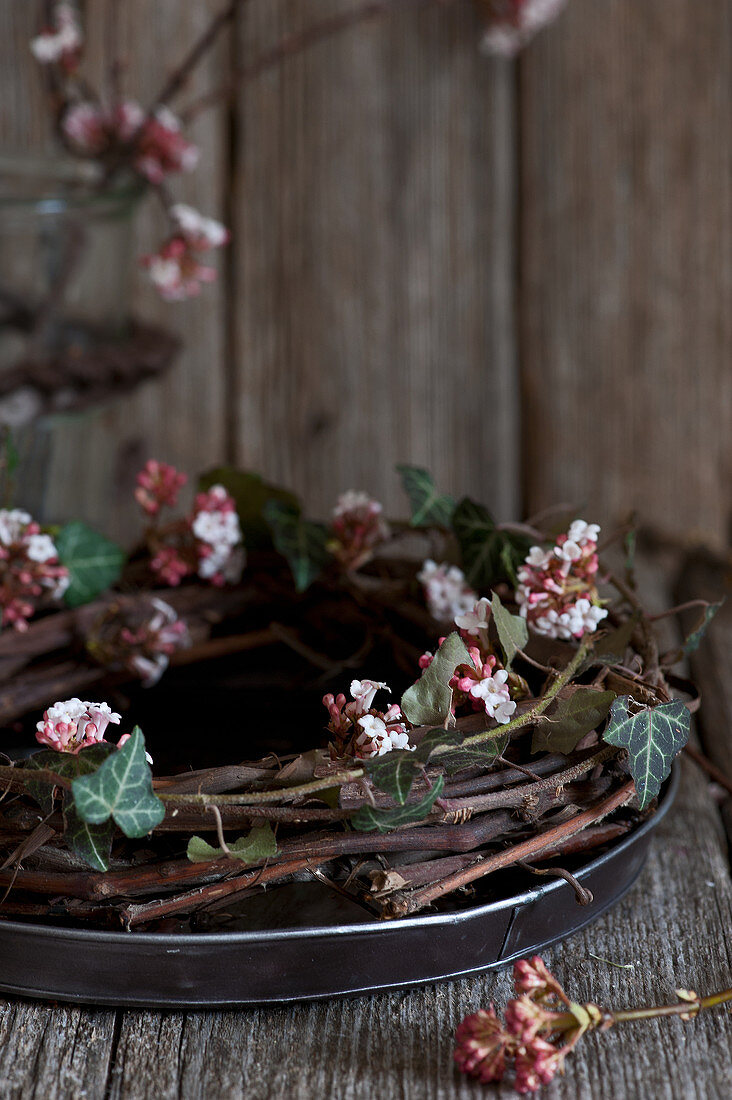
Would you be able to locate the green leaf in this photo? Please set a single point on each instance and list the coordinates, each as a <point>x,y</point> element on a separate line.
<point>369,818</point>
<point>489,555</point>
<point>610,649</point>
<point>694,639</point>
<point>94,562</point>
<point>428,702</point>
<point>653,737</point>
<point>67,764</point>
<point>471,756</point>
<point>257,845</point>
<point>393,773</point>
<point>429,508</point>
<point>121,788</point>
<point>302,543</point>
<point>513,633</point>
<point>251,494</point>
<point>571,718</point>
<point>92,843</point>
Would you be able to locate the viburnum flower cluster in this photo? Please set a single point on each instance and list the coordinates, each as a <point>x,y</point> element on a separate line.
<point>29,568</point>
<point>557,591</point>
<point>208,542</point>
<point>149,143</point>
<point>75,724</point>
<point>540,1027</point>
<point>139,636</point>
<point>511,24</point>
<point>361,730</point>
<point>446,590</point>
<point>357,527</point>
<point>482,684</point>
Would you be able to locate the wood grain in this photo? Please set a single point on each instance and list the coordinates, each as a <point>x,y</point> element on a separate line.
<point>374,202</point>
<point>626,262</point>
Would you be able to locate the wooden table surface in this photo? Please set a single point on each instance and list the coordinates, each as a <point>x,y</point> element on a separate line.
<point>670,930</point>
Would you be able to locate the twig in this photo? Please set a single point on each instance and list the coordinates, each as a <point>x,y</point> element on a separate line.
<point>179,76</point>
<point>706,765</point>
<point>583,895</point>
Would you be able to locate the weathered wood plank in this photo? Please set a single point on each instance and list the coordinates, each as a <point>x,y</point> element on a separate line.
<point>375,193</point>
<point>54,1052</point>
<point>626,262</point>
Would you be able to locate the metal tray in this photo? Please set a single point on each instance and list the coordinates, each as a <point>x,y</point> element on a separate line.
<point>339,951</point>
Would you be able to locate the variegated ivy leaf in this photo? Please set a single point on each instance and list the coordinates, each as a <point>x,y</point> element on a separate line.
<point>121,788</point>
<point>429,508</point>
<point>428,702</point>
<point>653,736</point>
<point>368,818</point>
<point>93,561</point>
<point>301,542</point>
<point>513,633</point>
<point>395,772</point>
<point>91,843</point>
<point>257,845</point>
<point>570,718</point>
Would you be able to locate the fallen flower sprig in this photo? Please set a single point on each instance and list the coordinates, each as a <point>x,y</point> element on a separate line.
<point>541,1026</point>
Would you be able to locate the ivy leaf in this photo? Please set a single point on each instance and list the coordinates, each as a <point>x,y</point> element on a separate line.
<point>611,648</point>
<point>257,845</point>
<point>571,718</point>
<point>693,640</point>
<point>395,772</point>
<point>428,702</point>
<point>489,555</point>
<point>368,818</point>
<point>92,843</point>
<point>513,633</point>
<point>429,508</point>
<point>93,561</point>
<point>67,764</point>
<point>251,494</point>
<point>470,756</point>
<point>302,543</point>
<point>652,737</point>
<point>121,788</point>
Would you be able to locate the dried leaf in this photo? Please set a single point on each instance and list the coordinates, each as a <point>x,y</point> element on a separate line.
<point>571,718</point>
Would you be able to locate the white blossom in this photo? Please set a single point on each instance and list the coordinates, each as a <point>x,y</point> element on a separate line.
<point>477,619</point>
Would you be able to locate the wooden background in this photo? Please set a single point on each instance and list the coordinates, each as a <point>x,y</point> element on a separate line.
<point>516,273</point>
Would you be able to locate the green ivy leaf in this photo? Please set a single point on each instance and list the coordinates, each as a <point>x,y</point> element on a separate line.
<point>302,543</point>
<point>429,508</point>
<point>395,772</point>
<point>67,764</point>
<point>571,718</point>
<point>653,737</point>
<point>94,562</point>
<point>257,845</point>
<point>513,633</point>
<point>368,818</point>
<point>121,788</point>
<point>428,702</point>
<point>251,494</point>
<point>693,640</point>
<point>470,756</point>
<point>489,555</point>
<point>92,843</point>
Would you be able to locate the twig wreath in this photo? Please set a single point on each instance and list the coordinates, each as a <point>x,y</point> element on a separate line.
<point>541,727</point>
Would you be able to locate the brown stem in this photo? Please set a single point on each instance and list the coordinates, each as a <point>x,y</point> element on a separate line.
<point>525,850</point>
<point>180,75</point>
<point>706,765</point>
<point>295,43</point>
<point>681,1008</point>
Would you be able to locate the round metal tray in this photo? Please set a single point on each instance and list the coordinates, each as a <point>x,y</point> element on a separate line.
<point>294,951</point>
